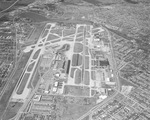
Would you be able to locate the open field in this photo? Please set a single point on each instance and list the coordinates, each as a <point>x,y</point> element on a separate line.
<point>12,110</point>
<point>76,90</point>
<point>76,60</point>
<point>86,78</point>
<point>78,76</point>
<point>78,47</point>
<point>23,83</point>
<point>13,81</point>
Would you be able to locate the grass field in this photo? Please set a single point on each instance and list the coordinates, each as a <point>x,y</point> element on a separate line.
<point>57,31</point>
<point>87,62</point>
<point>76,60</point>
<point>12,110</point>
<point>36,34</point>
<point>68,32</point>
<point>36,79</point>
<point>86,78</point>
<point>72,72</point>
<point>35,76</point>
<point>76,90</point>
<point>30,67</point>
<point>34,16</point>
<point>52,37</point>
<point>80,29</point>
<point>95,31</point>
<point>23,83</point>
<point>13,81</point>
<point>93,75</point>
<point>70,39</point>
<point>36,54</point>
<point>80,35</point>
<point>78,47</point>
<point>86,50</point>
<point>45,33</point>
<point>79,39</point>
<point>48,26</point>
<point>86,118</point>
<point>54,41</point>
<point>67,39</point>
<point>78,76</point>
<point>33,82</point>
<point>4,5</point>
<point>93,92</point>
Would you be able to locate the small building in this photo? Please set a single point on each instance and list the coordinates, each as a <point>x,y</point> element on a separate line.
<point>46,91</point>
<point>56,84</point>
<point>54,89</point>
<point>37,98</point>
